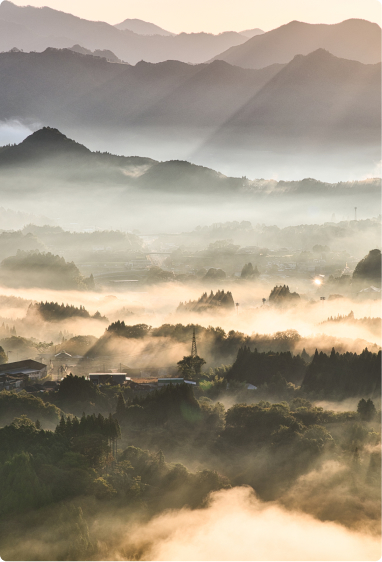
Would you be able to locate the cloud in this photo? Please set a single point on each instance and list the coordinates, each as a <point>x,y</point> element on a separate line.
<point>237,526</point>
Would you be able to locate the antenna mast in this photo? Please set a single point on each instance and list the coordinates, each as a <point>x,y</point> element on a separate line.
<point>194,353</point>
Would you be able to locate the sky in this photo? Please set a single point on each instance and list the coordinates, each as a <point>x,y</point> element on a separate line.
<point>215,16</point>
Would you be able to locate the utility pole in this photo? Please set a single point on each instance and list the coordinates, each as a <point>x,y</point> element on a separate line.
<point>194,353</point>
<point>355,213</point>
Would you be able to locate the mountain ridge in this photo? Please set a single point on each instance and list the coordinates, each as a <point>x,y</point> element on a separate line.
<point>40,28</point>
<point>47,153</point>
<point>317,96</point>
<point>353,39</point>
<point>142,27</point>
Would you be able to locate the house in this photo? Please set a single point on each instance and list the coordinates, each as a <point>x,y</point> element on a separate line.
<point>11,383</point>
<point>167,381</point>
<point>62,356</point>
<point>109,378</point>
<point>371,292</point>
<point>28,367</point>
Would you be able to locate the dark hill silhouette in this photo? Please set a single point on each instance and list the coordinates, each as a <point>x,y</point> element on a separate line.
<point>142,27</point>
<point>48,155</point>
<point>49,143</point>
<point>45,142</point>
<point>40,28</point>
<point>48,152</point>
<point>353,39</point>
<point>368,270</point>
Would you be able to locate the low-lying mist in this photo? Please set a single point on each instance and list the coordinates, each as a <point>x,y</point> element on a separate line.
<point>293,328</point>
<point>234,525</point>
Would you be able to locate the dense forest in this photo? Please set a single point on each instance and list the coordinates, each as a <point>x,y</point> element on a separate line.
<point>54,312</point>
<point>128,462</point>
<point>207,302</point>
<point>281,295</point>
<point>345,375</point>
<point>215,344</point>
<point>45,270</point>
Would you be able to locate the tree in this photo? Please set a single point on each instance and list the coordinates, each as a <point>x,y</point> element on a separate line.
<point>366,409</point>
<point>191,366</point>
<point>369,269</point>
<point>3,356</point>
<point>120,405</point>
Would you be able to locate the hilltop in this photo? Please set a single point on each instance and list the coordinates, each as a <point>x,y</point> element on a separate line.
<point>48,154</point>
<point>353,39</point>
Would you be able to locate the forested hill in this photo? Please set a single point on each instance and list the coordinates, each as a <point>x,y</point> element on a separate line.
<point>45,154</point>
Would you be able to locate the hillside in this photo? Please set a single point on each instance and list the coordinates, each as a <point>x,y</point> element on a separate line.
<point>142,27</point>
<point>368,270</point>
<point>44,270</point>
<point>104,54</point>
<point>352,39</point>
<point>35,29</point>
<point>318,96</point>
<point>64,87</point>
<point>48,154</point>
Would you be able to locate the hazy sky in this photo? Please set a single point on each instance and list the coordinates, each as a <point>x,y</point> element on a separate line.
<point>217,15</point>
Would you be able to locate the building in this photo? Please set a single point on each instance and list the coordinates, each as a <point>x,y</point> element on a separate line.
<point>29,367</point>
<point>11,383</point>
<point>109,378</point>
<point>62,356</point>
<point>167,381</point>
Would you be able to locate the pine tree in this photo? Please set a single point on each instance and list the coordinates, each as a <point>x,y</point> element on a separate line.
<point>120,405</point>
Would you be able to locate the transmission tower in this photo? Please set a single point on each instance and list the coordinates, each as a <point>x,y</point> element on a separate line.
<point>194,353</point>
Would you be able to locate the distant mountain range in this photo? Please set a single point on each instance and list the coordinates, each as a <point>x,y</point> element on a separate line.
<point>317,97</point>
<point>352,39</point>
<point>35,29</point>
<point>251,32</point>
<point>104,54</point>
<point>141,27</point>
<point>145,28</point>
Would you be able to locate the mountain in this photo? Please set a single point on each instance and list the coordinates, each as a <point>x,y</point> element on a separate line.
<point>314,99</point>
<point>352,39</point>
<point>62,87</point>
<point>35,29</point>
<point>317,97</point>
<point>49,157</point>
<point>141,27</point>
<point>252,32</point>
<point>45,143</point>
<point>105,54</point>
<point>48,153</point>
